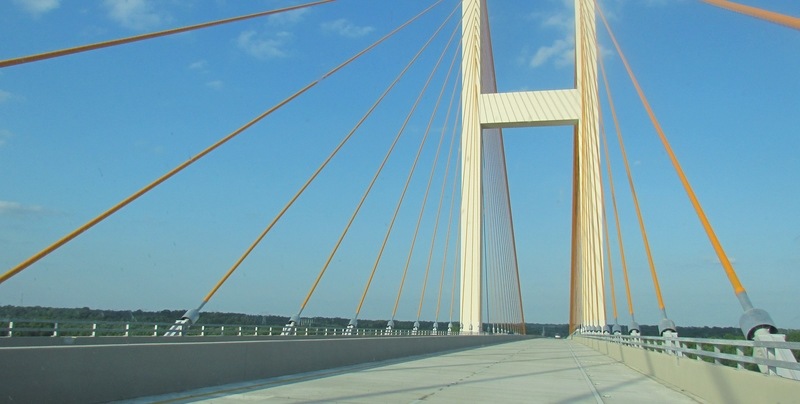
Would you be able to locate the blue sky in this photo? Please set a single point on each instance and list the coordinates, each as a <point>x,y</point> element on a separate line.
<point>79,133</point>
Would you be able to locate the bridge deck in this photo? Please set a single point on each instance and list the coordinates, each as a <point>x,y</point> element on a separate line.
<point>537,370</point>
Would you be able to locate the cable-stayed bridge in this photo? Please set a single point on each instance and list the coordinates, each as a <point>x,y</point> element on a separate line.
<point>445,246</point>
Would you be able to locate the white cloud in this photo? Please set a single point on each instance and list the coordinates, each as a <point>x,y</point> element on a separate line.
<point>660,2</point>
<point>199,65</point>
<point>38,7</point>
<point>346,28</point>
<point>147,147</point>
<point>5,134</point>
<point>287,17</point>
<point>561,21</point>
<point>605,52</point>
<point>262,46</point>
<point>614,9</point>
<point>215,84</point>
<point>134,14</point>
<point>16,208</point>
<point>4,96</point>
<point>561,52</point>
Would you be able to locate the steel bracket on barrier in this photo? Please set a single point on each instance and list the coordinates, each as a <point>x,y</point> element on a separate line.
<point>781,354</point>
<point>291,327</point>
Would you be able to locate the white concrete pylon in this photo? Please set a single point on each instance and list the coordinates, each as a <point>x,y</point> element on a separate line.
<point>484,109</point>
<point>470,220</point>
<point>588,132</point>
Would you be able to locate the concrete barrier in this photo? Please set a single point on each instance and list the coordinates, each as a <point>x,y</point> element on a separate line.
<point>80,373</point>
<point>713,383</point>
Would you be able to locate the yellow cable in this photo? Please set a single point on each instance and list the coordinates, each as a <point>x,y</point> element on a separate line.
<point>441,198</point>
<point>639,217</point>
<point>394,216</point>
<point>771,16</point>
<point>723,257</point>
<point>456,263</point>
<point>86,226</point>
<point>605,228</point>
<point>614,198</point>
<point>121,41</point>
<point>430,179</point>
<point>573,293</point>
<point>449,227</point>
<point>41,254</point>
<point>380,168</point>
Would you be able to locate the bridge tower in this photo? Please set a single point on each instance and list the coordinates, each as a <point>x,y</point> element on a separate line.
<point>485,112</point>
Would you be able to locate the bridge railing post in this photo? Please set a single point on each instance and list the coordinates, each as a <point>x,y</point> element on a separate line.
<point>739,352</point>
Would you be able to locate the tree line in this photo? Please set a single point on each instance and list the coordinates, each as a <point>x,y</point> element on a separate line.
<point>169,316</point>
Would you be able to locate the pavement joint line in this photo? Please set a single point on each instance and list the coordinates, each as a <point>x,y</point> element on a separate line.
<point>481,370</point>
<point>596,394</point>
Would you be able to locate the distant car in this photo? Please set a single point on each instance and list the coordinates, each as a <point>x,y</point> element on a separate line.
<point>558,336</point>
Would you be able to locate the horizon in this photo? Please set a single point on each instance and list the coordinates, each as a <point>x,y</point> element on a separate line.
<point>346,318</point>
<point>82,132</point>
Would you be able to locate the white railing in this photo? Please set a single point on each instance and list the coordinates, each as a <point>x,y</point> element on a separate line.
<point>78,328</point>
<point>759,356</point>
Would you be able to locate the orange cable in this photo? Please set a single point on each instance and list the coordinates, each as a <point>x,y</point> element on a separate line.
<point>449,228</point>
<point>430,178</point>
<point>616,216</point>
<point>605,224</point>
<point>603,199</point>
<point>320,168</point>
<point>86,226</point>
<point>512,235</point>
<point>771,16</point>
<point>441,194</point>
<point>573,312</point>
<point>121,41</point>
<point>456,261</point>
<point>380,169</point>
<point>610,268</point>
<point>639,217</point>
<point>402,195</point>
<point>723,257</point>
<point>41,254</point>
<point>614,198</point>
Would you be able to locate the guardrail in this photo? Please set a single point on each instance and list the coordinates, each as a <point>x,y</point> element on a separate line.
<point>78,328</point>
<point>759,356</point>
